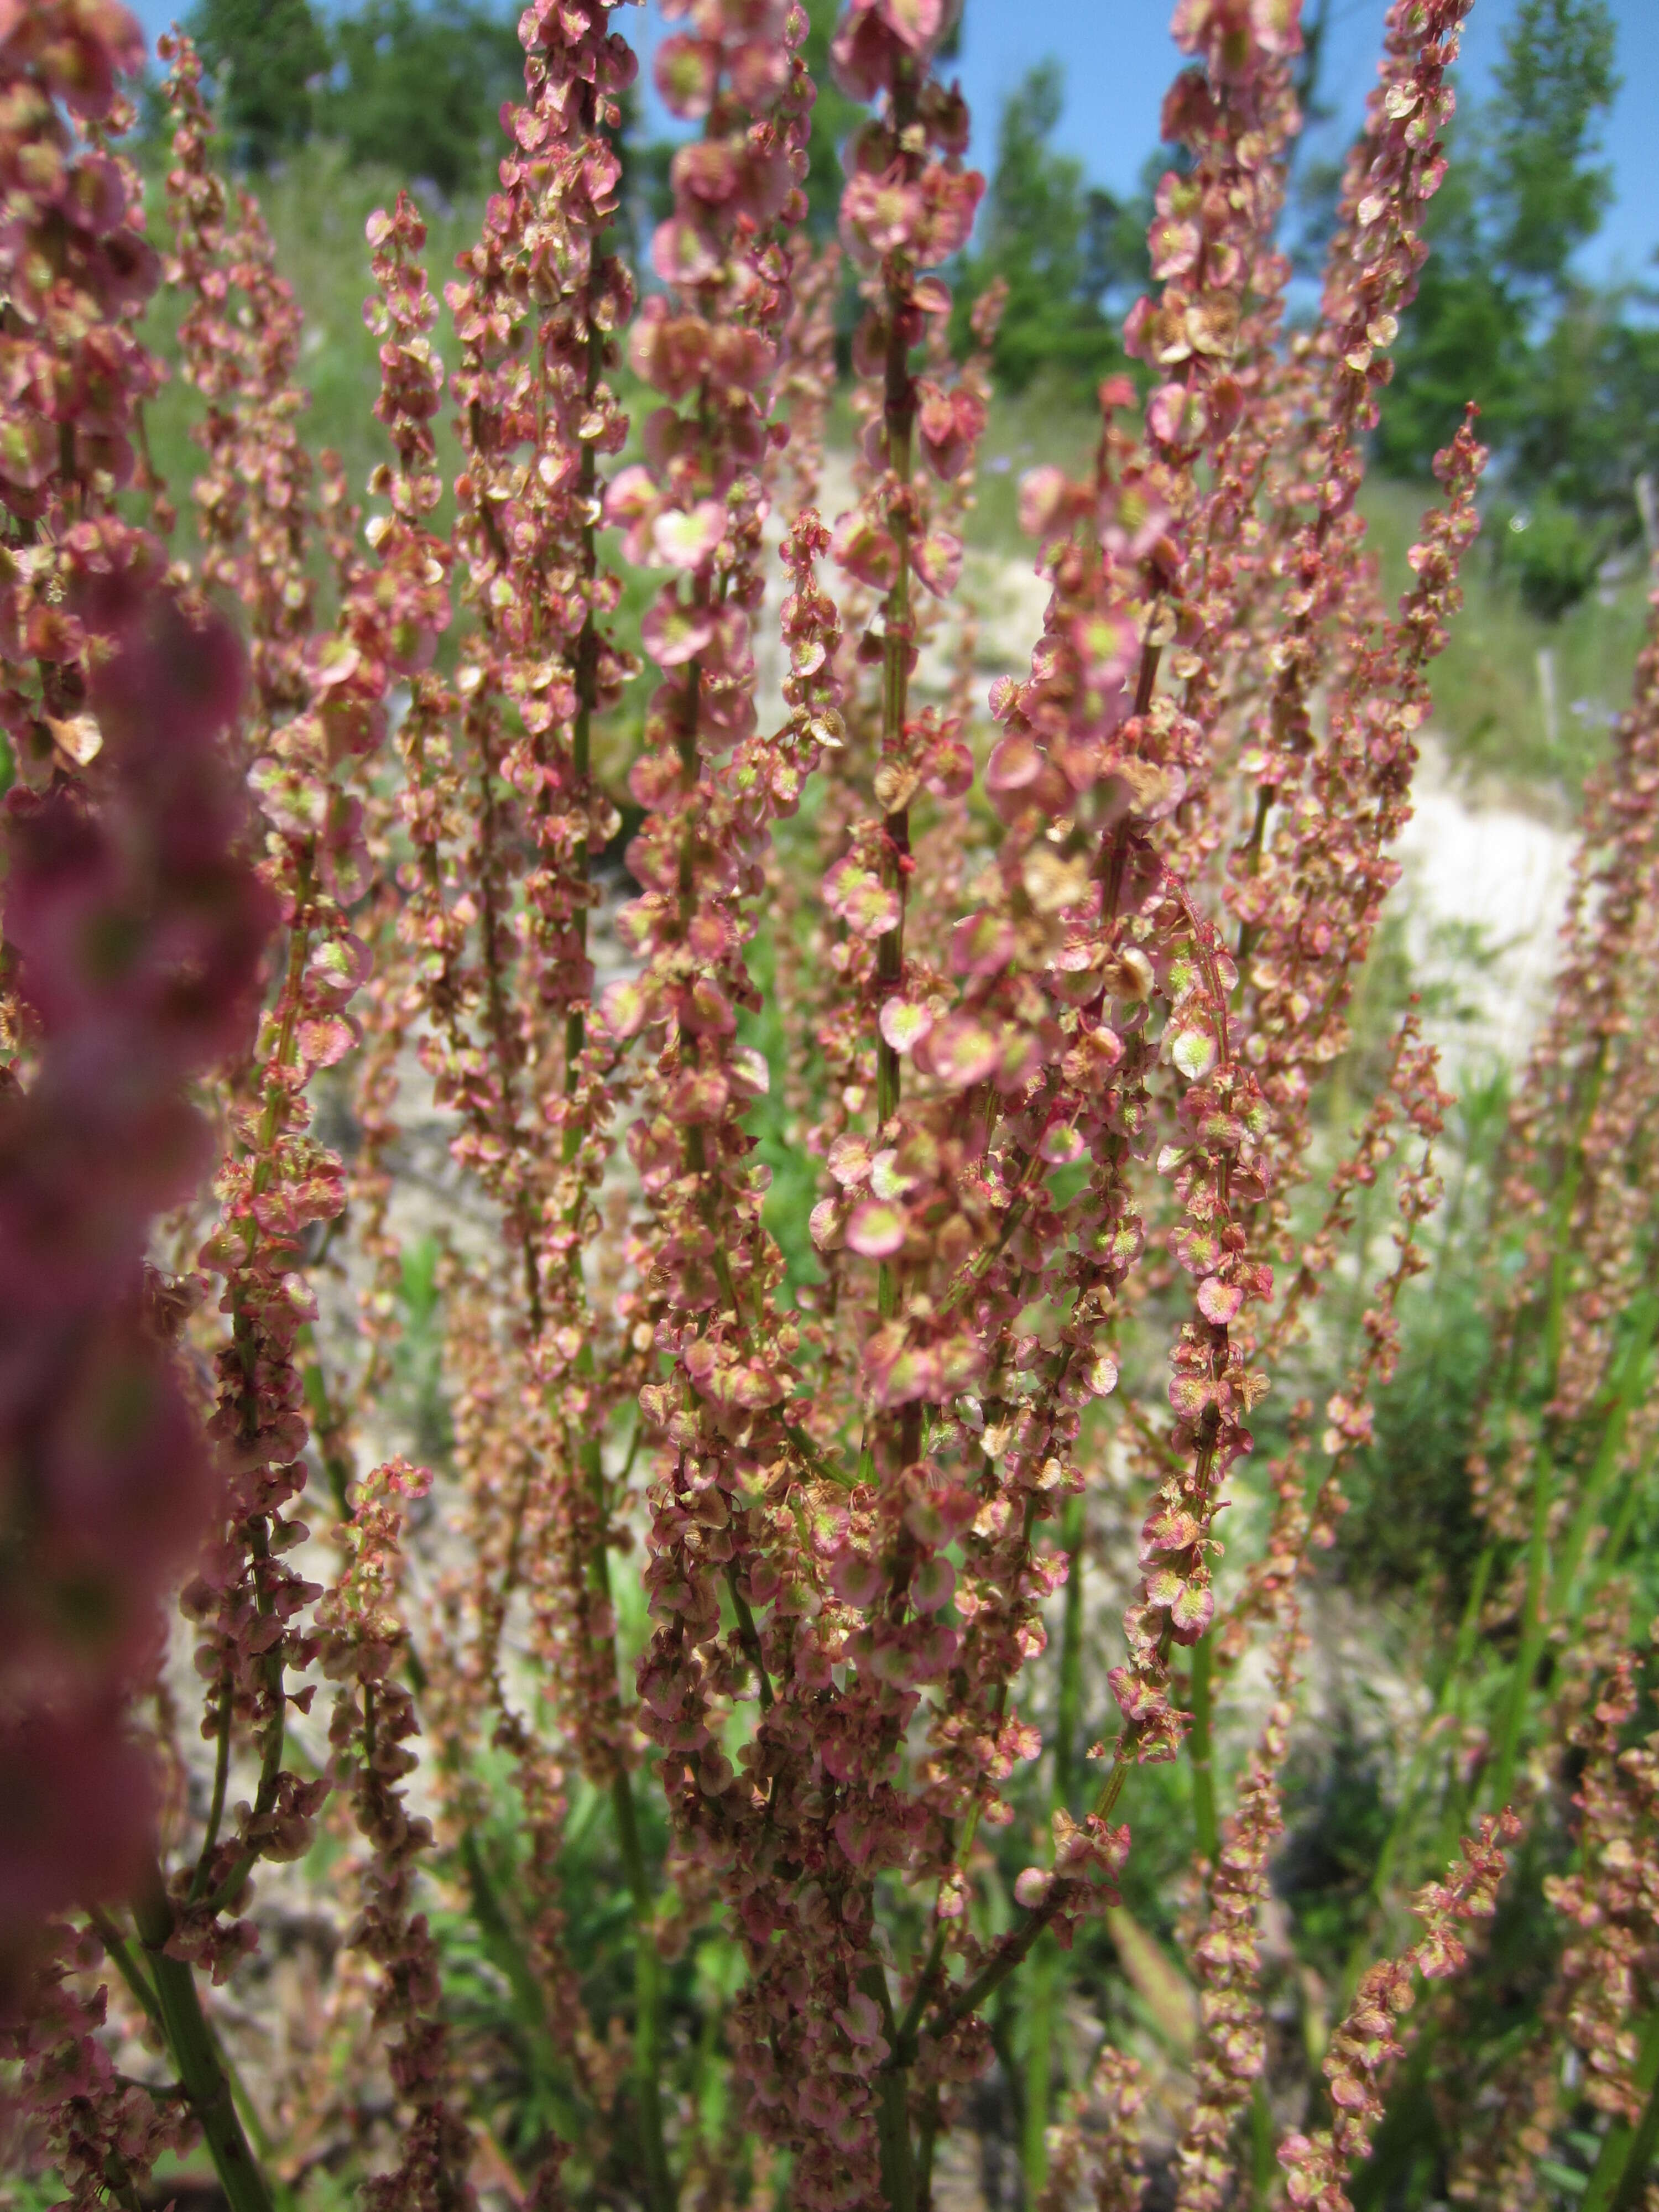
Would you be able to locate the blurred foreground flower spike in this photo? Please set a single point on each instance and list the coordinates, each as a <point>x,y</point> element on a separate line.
<point>733,1254</point>
<point>135,929</point>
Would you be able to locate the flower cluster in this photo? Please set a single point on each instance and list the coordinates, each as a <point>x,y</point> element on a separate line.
<point>254,504</point>
<point>374,1718</point>
<point>1610,1903</point>
<point>251,1599</point>
<point>1367,2042</point>
<point>1232,2052</point>
<point>106,2134</point>
<point>78,272</point>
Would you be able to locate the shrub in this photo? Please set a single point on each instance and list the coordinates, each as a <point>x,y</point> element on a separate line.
<point>849,1252</point>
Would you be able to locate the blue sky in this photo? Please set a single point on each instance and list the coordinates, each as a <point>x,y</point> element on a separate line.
<point>1118,59</point>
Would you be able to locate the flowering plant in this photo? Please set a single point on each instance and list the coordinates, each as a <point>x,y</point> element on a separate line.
<point>720,1632</point>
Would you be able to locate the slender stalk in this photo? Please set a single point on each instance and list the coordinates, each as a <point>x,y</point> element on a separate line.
<point>1629,1384</point>
<point>1042,1989</point>
<point>926,2134</point>
<point>587,674</point>
<point>270,1752</point>
<point>898,2169</point>
<point>1016,1945</point>
<point>1608,1559</point>
<point>1206,1832</point>
<point>749,1637</point>
<point>121,1952</point>
<point>1045,1984</point>
<point>1566,1199</point>
<point>1619,2174</point>
<point>898,410</point>
<point>1534,1626</point>
<point>1264,2161</point>
<point>659,2192</point>
<point>1069,1712</point>
<point>216,1808</point>
<point>501,1942</point>
<point>1449,1696</point>
<point>1534,1620</point>
<point>648,1959</point>
<point>324,1425</point>
<point>195,2055</point>
<point>898,414</point>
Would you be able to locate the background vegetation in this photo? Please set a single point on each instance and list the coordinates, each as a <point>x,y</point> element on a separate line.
<point>332,114</point>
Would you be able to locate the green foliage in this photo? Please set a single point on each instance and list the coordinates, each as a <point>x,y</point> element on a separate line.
<point>1060,246</point>
<point>1488,703</point>
<point>1566,384</point>
<point>1464,337</point>
<point>415,86</point>
<point>265,58</point>
<point>1552,554</point>
<point>419,88</point>
<point>1547,193</point>
<point>1591,422</point>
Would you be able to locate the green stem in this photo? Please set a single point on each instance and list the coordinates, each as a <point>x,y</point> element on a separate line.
<point>502,1942</point>
<point>1567,1199</point>
<point>926,2134</point>
<point>1206,1832</point>
<point>648,2001</point>
<point>270,1759</point>
<point>1608,1559</point>
<point>1534,1626</point>
<point>1622,2167</point>
<point>127,1966</point>
<point>587,655</point>
<point>1046,1981</point>
<point>217,1809</point>
<point>1068,1717</point>
<point>815,1459</point>
<point>898,2170</point>
<point>1042,1989</point>
<point>324,1426</point>
<point>749,1637</point>
<point>898,416</point>
<point>196,2056</point>
<point>499,1939</point>
<point>1629,1384</point>
<point>659,2192</point>
<point>648,1959</point>
<point>1264,2155</point>
<point>904,2042</point>
<point>1449,1695</point>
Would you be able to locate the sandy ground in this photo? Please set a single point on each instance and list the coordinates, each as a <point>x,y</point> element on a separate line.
<point>1483,895</point>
